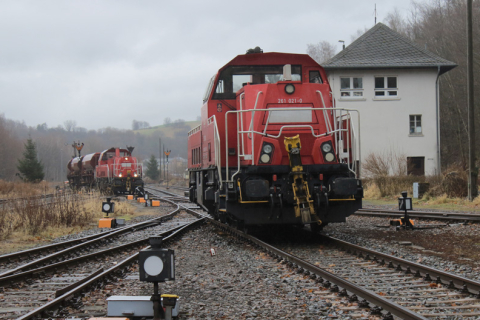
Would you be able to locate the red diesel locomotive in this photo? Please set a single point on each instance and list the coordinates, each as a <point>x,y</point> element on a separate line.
<point>271,148</point>
<point>112,171</point>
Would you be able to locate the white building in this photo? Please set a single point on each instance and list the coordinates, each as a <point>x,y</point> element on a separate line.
<point>394,84</point>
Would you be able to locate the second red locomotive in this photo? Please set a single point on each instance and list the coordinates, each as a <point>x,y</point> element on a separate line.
<point>114,170</point>
<point>271,148</point>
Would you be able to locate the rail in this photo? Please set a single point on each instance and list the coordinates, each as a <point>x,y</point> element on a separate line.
<point>339,131</point>
<point>304,267</point>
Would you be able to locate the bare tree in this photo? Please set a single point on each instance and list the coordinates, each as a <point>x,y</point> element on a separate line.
<point>135,125</point>
<point>358,34</point>
<point>70,125</point>
<point>321,51</point>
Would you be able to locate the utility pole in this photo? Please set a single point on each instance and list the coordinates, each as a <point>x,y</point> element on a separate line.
<point>167,153</point>
<point>472,168</point>
<point>160,156</point>
<point>164,163</point>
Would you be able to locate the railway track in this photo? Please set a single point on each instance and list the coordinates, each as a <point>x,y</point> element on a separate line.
<point>24,260</point>
<point>361,279</point>
<point>389,286</point>
<point>443,216</point>
<point>34,288</point>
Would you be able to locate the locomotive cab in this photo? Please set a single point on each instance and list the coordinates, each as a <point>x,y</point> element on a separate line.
<point>271,148</point>
<point>118,171</point>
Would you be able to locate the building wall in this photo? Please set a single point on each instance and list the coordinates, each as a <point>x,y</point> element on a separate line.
<point>385,121</point>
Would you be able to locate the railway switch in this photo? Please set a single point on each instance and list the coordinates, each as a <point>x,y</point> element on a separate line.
<point>108,206</point>
<point>156,264</point>
<point>404,203</point>
<point>106,222</point>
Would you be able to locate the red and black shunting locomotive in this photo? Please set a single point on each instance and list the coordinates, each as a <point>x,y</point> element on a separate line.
<point>114,170</point>
<point>271,148</point>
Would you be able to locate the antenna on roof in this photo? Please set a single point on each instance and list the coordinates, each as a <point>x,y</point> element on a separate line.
<point>375,13</point>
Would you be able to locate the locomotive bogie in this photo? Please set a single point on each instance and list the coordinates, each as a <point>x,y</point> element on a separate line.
<point>264,196</point>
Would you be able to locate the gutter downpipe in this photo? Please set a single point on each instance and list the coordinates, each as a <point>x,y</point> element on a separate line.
<point>437,103</point>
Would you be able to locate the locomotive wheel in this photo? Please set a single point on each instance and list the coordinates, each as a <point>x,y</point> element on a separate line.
<point>316,228</point>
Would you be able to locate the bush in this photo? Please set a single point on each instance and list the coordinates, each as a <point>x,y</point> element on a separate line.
<point>32,215</point>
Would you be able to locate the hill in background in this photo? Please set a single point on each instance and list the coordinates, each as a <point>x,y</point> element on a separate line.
<point>170,130</point>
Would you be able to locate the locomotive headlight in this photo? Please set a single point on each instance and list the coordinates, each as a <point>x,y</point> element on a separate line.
<point>120,175</point>
<point>135,175</point>
<point>265,158</point>
<point>289,88</point>
<point>267,148</point>
<point>126,158</point>
<point>329,157</point>
<point>326,147</point>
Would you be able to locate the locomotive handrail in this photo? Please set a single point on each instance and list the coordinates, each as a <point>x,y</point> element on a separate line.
<point>335,131</point>
<point>325,113</point>
<point>251,122</point>
<point>241,122</point>
<point>253,114</point>
<point>194,130</point>
<point>218,155</point>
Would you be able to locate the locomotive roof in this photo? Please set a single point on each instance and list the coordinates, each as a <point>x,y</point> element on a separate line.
<point>113,149</point>
<point>271,58</point>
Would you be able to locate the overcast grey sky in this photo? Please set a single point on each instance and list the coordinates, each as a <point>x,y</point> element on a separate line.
<point>104,63</point>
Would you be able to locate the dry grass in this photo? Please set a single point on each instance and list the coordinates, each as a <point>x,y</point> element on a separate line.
<point>35,215</point>
<point>27,223</point>
<point>10,190</point>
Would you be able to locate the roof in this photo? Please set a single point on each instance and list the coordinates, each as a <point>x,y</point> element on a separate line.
<point>381,47</point>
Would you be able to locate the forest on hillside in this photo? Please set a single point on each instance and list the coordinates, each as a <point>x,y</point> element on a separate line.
<point>54,145</point>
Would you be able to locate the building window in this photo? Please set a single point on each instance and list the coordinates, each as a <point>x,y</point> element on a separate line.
<point>415,124</point>
<point>351,87</point>
<point>386,87</point>
<point>416,166</point>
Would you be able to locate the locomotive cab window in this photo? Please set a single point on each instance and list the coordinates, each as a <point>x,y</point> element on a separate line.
<point>209,89</point>
<point>108,155</point>
<point>234,78</point>
<point>315,77</point>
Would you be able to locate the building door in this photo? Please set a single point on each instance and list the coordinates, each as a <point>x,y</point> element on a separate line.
<point>416,166</point>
